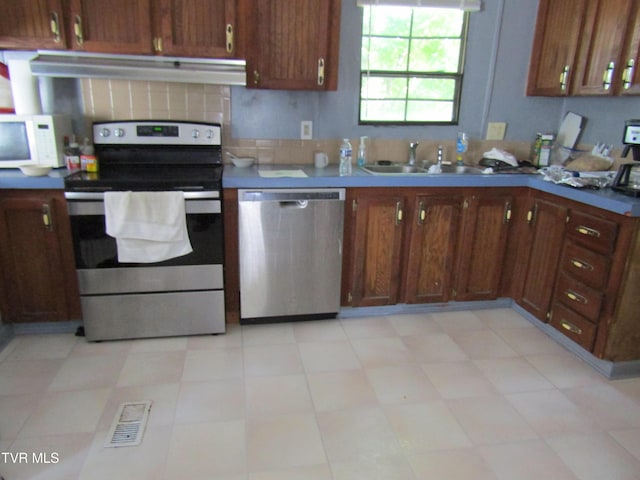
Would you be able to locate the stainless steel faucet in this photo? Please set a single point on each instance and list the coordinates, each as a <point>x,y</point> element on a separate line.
<point>412,152</point>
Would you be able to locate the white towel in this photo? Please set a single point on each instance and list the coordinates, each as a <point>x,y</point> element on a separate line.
<point>148,227</point>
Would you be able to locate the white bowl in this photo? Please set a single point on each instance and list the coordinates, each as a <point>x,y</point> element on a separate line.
<point>243,162</point>
<point>35,170</point>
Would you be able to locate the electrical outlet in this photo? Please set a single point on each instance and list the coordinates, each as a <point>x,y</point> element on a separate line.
<point>495,130</point>
<point>306,130</point>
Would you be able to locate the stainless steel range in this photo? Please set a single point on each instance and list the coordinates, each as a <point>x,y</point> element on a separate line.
<point>183,295</point>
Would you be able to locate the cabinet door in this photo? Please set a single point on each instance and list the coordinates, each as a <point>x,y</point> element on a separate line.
<point>377,244</point>
<point>198,28</point>
<point>555,46</point>
<point>483,245</point>
<point>31,260</point>
<point>111,26</point>
<point>32,24</point>
<point>434,237</point>
<point>600,55</point>
<point>631,58</point>
<point>547,226</point>
<point>294,44</point>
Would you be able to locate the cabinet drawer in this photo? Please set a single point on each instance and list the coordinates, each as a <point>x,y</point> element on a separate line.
<point>595,233</point>
<point>573,325</point>
<point>576,295</point>
<point>585,265</point>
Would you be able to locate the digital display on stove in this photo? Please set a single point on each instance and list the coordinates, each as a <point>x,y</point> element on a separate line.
<point>157,131</point>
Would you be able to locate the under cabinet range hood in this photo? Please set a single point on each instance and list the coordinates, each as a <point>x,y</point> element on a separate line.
<point>139,67</point>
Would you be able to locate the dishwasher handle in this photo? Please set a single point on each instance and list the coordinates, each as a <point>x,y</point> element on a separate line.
<point>292,197</point>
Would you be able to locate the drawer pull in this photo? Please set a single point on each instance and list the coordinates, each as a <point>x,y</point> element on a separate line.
<point>582,265</point>
<point>570,327</point>
<point>576,297</point>
<point>582,230</point>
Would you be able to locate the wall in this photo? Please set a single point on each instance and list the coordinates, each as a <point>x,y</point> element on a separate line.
<point>499,47</point>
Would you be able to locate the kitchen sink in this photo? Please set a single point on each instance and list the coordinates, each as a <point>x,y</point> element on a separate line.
<point>399,169</point>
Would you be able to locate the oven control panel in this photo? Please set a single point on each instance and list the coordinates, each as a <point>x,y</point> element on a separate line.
<point>136,132</point>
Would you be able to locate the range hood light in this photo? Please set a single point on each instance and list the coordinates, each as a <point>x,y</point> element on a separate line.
<point>139,67</point>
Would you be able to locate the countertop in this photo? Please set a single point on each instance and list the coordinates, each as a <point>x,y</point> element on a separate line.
<point>235,177</point>
<point>606,199</point>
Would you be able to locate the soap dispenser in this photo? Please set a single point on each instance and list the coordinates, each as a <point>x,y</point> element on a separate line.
<point>362,152</point>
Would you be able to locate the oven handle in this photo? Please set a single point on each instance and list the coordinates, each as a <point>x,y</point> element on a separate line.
<point>202,195</point>
<point>77,207</point>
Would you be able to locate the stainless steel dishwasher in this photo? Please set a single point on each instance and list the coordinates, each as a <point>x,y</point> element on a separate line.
<point>290,245</point>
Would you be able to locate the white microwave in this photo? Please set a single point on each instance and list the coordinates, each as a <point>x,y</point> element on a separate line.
<point>33,140</point>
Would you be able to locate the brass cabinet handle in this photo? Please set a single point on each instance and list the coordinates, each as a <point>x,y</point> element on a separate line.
<point>570,327</point>
<point>563,78</point>
<point>229,32</point>
<point>422,214</point>
<point>591,232</point>
<point>607,77</point>
<point>157,44</point>
<point>256,77</point>
<point>576,297</point>
<point>55,27</point>
<point>627,76</point>
<point>77,29</point>
<point>531,215</point>
<point>581,264</point>
<point>321,71</point>
<point>46,217</point>
<point>398,213</point>
<point>507,213</point>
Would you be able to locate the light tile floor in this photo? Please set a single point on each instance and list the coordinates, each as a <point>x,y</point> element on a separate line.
<point>479,395</point>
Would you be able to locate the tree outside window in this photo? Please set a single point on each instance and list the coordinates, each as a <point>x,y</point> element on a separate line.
<point>412,63</point>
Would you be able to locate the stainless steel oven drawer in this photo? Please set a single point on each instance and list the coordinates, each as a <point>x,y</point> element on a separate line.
<point>101,281</point>
<point>112,317</point>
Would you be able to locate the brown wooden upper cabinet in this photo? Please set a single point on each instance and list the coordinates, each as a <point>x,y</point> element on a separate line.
<point>198,28</point>
<point>110,26</point>
<point>585,47</point>
<point>31,24</point>
<point>293,44</point>
<point>189,28</point>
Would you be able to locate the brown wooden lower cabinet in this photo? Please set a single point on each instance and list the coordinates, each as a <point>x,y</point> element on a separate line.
<point>36,258</point>
<point>582,275</point>
<point>546,222</point>
<point>413,245</point>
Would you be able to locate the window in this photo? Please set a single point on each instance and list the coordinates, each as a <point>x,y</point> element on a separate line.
<point>412,62</point>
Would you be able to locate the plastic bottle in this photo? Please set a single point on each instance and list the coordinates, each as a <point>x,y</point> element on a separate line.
<point>362,152</point>
<point>72,156</point>
<point>461,148</point>
<point>88,160</point>
<point>345,158</point>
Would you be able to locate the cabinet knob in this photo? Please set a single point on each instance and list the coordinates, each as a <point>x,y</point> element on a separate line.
<point>256,77</point>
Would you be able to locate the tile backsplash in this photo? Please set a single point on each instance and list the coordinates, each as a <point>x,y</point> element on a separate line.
<point>105,100</point>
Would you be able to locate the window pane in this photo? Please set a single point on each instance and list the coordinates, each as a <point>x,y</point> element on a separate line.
<point>383,87</point>
<point>437,22</point>
<point>387,21</point>
<point>422,111</point>
<point>435,55</point>
<point>382,110</point>
<point>388,54</point>
<point>432,88</point>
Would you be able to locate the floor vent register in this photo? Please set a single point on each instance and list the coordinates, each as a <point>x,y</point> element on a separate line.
<point>129,424</point>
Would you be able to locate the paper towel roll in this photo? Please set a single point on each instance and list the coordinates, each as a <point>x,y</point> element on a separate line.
<point>24,86</point>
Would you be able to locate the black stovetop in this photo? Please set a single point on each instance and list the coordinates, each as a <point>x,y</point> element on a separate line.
<point>147,178</point>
